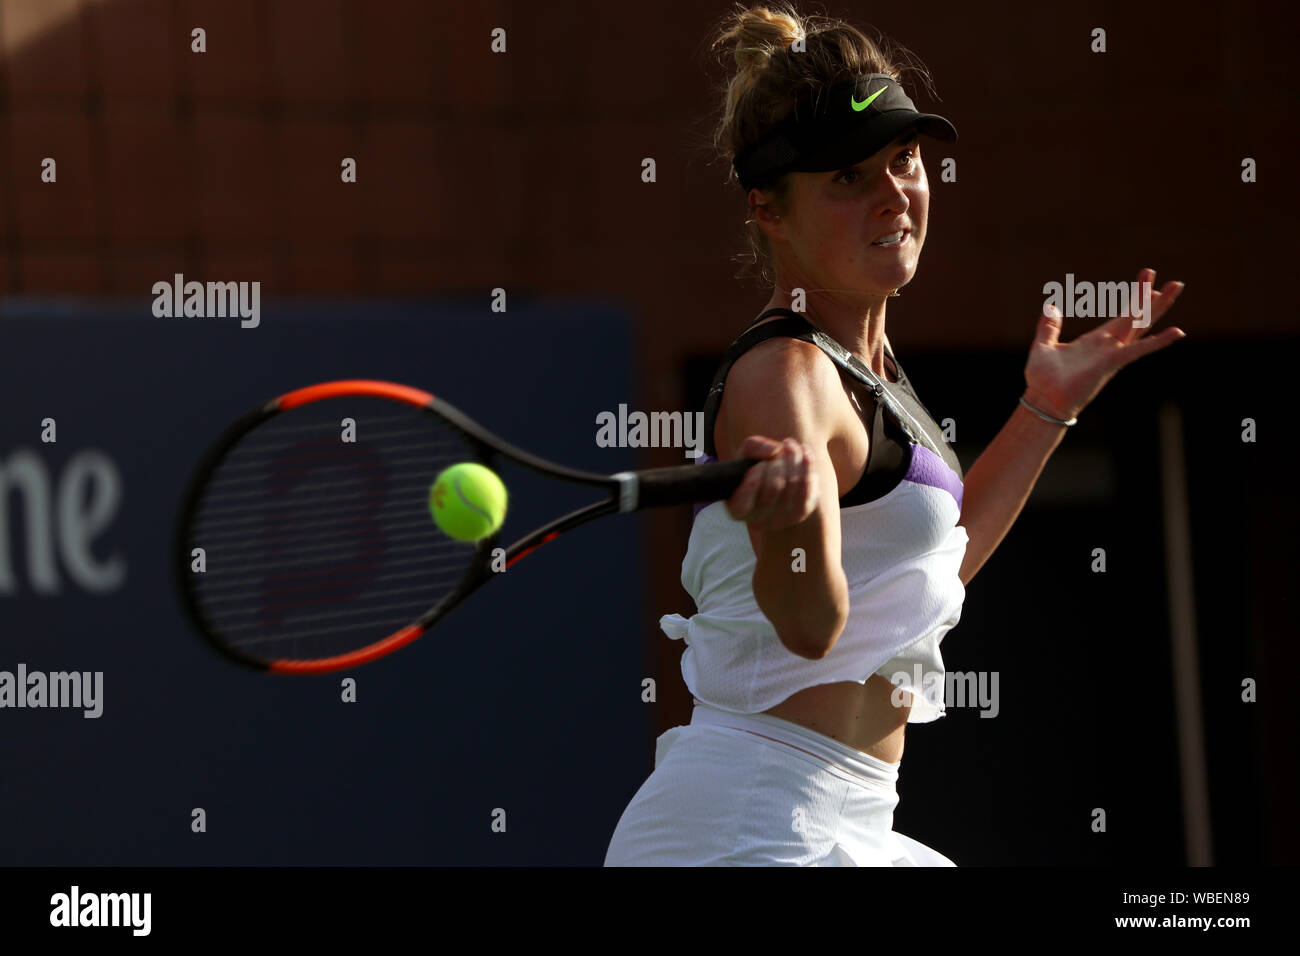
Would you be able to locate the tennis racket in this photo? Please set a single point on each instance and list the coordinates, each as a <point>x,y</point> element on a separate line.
<point>305,545</point>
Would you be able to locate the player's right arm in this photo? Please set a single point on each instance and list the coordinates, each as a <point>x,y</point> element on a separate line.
<point>783,399</point>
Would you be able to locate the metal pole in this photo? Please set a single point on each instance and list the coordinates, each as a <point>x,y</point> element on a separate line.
<point>1182,629</point>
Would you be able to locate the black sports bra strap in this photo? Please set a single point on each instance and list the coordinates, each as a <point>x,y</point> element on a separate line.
<point>792,326</point>
<point>797,327</point>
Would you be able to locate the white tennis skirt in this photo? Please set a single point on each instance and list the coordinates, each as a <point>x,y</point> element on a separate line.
<point>755,790</point>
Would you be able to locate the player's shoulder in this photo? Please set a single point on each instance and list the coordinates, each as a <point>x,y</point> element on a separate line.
<point>780,365</point>
<point>785,387</point>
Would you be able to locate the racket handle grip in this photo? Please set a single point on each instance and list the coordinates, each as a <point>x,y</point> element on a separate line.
<point>659,487</point>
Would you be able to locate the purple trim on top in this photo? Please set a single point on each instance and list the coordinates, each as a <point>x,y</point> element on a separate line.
<point>927,468</point>
<point>701,505</point>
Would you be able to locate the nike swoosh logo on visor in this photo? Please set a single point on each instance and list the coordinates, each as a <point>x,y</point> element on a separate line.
<point>867,102</point>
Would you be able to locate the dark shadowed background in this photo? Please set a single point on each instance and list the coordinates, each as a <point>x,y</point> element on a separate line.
<point>522,171</point>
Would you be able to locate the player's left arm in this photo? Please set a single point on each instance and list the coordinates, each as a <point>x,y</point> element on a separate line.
<point>1061,379</point>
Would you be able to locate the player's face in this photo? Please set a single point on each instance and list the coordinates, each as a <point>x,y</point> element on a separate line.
<point>839,217</point>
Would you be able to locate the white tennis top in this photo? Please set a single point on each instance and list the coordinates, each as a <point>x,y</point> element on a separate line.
<point>901,555</point>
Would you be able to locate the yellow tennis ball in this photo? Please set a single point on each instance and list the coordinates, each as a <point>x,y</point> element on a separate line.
<point>468,501</point>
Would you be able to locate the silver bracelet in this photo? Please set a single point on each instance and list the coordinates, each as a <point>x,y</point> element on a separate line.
<point>1044,416</point>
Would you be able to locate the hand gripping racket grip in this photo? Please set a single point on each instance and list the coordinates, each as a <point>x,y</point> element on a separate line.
<point>657,487</point>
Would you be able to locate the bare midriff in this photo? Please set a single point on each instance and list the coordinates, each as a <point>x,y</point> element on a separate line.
<point>862,716</point>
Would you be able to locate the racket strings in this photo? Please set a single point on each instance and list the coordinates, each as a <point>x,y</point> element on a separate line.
<point>298,462</point>
<point>341,507</point>
<point>316,532</point>
<point>250,559</point>
<point>316,567</point>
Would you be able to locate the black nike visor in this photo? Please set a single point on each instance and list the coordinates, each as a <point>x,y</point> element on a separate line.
<point>842,126</point>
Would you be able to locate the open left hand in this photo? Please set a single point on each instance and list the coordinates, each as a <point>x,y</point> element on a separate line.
<point>1063,377</point>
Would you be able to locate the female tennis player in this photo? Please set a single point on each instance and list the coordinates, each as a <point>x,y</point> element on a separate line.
<point>825,584</point>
